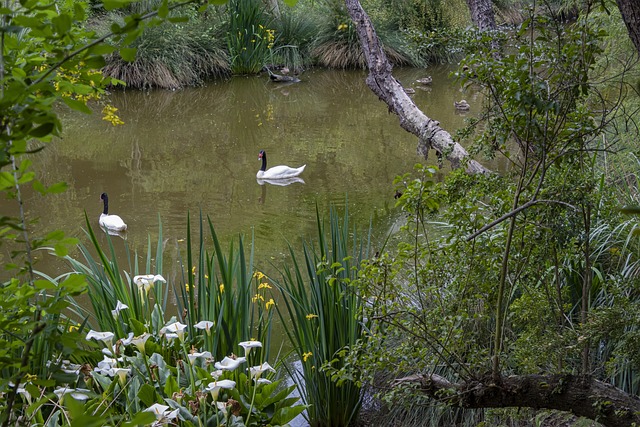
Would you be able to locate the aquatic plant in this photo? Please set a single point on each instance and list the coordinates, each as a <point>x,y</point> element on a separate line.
<point>325,314</point>
<point>250,38</point>
<point>225,290</point>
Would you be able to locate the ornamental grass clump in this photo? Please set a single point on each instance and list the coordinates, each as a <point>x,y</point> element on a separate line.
<point>325,314</point>
<point>172,56</point>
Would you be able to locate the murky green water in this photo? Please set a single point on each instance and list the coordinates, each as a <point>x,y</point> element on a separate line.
<point>196,149</point>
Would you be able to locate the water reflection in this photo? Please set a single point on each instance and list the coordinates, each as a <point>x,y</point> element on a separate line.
<point>280,182</point>
<point>194,150</point>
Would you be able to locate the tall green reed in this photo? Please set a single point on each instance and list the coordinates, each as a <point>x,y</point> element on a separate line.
<point>325,314</point>
<point>221,287</point>
<point>249,38</point>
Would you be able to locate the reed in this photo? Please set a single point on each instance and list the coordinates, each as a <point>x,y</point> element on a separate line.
<point>325,317</point>
<point>221,287</point>
<point>249,38</point>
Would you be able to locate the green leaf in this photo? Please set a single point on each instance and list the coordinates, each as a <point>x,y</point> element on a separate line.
<point>77,105</point>
<point>218,2</point>
<point>141,418</point>
<point>42,130</point>
<point>290,3</point>
<point>147,394</point>
<point>128,53</point>
<point>171,386</point>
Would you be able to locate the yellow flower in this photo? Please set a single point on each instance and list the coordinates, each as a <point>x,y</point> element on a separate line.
<point>72,328</point>
<point>206,276</point>
<point>311,316</point>
<point>258,275</point>
<point>109,114</point>
<point>305,356</point>
<point>342,27</point>
<point>186,286</point>
<point>270,303</point>
<point>264,285</point>
<point>221,287</point>
<point>193,270</point>
<point>257,297</point>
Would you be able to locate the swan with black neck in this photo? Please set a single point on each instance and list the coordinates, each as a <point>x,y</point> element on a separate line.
<point>110,222</point>
<point>276,172</point>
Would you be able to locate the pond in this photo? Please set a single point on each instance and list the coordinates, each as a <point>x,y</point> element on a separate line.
<point>196,150</point>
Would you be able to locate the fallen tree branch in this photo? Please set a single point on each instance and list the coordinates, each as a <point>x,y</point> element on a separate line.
<point>580,395</point>
<point>389,90</point>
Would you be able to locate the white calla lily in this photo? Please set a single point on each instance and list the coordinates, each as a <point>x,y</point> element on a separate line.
<point>248,345</point>
<point>229,364</point>
<point>174,328</point>
<point>146,281</point>
<point>193,356</point>
<point>105,337</point>
<point>215,387</point>
<point>257,371</point>
<point>119,307</point>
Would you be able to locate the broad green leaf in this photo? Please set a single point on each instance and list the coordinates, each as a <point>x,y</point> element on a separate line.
<point>42,130</point>
<point>147,394</point>
<point>290,3</point>
<point>77,105</point>
<point>128,53</point>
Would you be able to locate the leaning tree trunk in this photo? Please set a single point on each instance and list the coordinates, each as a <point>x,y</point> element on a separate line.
<point>630,10</point>
<point>388,89</point>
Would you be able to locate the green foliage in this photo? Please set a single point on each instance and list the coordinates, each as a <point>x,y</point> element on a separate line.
<point>250,38</point>
<point>225,290</point>
<point>520,273</point>
<point>326,320</point>
<point>172,56</point>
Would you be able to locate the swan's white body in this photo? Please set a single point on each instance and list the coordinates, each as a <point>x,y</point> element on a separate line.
<point>110,222</point>
<point>276,172</point>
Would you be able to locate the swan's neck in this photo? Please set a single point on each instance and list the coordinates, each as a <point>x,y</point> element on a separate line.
<point>106,206</point>
<point>264,162</point>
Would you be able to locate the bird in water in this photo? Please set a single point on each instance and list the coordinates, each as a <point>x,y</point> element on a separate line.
<point>110,222</point>
<point>276,172</point>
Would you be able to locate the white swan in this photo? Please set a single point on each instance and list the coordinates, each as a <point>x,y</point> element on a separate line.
<point>110,222</point>
<point>276,172</point>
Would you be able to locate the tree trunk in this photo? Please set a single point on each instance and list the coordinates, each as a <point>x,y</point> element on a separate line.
<point>389,90</point>
<point>582,396</point>
<point>482,14</point>
<point>630,10</point>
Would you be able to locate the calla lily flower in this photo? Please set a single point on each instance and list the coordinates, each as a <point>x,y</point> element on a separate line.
<point>105,337</point>
<point>140,341</point>
<point>193,356</point>
<point>162,411</point>
<point>263,381</point>
<point>175,328</point>
<point>76,393</point>
<point>204,324</point>
<point>215,387</point>
<point>229,364</point>
<point>121,373</point>
<point>248,345</point>
<point>256,371</point>
<point>145,282</point>
<point>119,307</point>
<point>127,341</point>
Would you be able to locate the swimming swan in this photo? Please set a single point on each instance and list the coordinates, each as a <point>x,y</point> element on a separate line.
<point>276,172</point>
<point>110,222</point>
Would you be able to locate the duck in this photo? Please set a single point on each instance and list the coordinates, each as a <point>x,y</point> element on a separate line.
<point>110,222</point>
<point>463,105</point>
<point>409,90</point>
<point>276,172</point>
<point>425,81</point>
